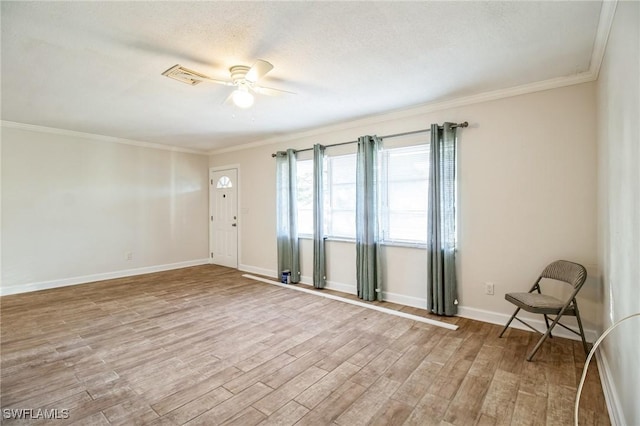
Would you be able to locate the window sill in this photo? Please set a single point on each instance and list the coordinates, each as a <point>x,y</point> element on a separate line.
<point>339,239</point>
<point>421,246</point>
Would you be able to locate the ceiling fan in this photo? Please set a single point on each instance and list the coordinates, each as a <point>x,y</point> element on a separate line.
<point>243,78</point>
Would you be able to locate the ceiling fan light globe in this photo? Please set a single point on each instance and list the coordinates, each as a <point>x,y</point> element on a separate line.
<point>242,98</point>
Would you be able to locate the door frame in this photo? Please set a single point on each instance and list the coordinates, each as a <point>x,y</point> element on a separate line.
<point>238,201</point>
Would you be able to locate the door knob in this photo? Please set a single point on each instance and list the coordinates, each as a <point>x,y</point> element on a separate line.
<point>233,224</point>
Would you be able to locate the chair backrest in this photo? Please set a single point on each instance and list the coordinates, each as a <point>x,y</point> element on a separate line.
<point>569,272</point>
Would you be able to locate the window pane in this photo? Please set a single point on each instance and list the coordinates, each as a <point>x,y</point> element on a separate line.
<point>343,223</point>
<point>408,195</point>
<point>343,169</point>
<point>304,176</point>
<point>405,194</point>
<point>341,196</point>
<point>409,165</point>
<point>224,182</point>
<point>407,227</point>
<point>305,221</point>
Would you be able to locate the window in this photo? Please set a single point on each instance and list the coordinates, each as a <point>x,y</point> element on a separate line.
<point>404,194</point>
<point>304,175</point>
<point>404,174</point>
<point>339,196</point>
<point>224,182</point>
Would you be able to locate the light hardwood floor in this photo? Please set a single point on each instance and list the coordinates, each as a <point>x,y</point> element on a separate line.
<point>204,345</point>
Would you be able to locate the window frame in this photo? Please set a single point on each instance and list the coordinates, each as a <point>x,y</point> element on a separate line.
<point>385,210</point>
<point>384,221</point>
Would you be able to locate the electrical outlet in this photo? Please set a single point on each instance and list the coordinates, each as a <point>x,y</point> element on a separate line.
<point>129,256</point>
<point>488,289</point>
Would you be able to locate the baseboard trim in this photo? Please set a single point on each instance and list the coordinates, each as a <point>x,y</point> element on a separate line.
<point>414,302</point>
<point>85,279</point>
<point>614,406</point>
<point>331,285</point>
<point>501,319</point>
<point>342,287</point>
<point>259,271</point>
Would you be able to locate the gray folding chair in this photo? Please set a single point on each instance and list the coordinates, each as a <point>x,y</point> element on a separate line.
<point>538,303</point>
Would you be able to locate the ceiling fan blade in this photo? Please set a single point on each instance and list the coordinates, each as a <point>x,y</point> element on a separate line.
<point>213,80</point>
<point>185,75</point>
<point>229,100</point>
<point>258,70</point>
<point>269,91</point>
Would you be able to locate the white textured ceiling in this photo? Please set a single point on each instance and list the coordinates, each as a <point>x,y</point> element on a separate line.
<point>96,67</point>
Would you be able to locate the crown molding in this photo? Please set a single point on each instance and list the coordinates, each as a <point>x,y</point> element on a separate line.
<point>96,137</point>
<point>553,83</point>
<point>607,13</point>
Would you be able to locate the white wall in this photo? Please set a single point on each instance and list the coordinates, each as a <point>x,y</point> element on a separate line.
<point>527,196</point>
<point>618,98</point>
<point>73,206</point>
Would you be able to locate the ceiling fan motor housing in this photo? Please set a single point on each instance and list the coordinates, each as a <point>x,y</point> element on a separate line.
<point>238,74</point>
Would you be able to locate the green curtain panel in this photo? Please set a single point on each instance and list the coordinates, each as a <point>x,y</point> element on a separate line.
<point>287,214</point>
<point>319,262</point>
<point>441,241</point>
<point>368,274</point>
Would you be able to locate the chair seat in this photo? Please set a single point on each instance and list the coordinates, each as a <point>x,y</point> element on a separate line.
<point>538,303</point>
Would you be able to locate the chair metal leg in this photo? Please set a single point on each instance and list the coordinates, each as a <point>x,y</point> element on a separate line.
<point>543,338</point>
<point>509,322</point>
<point>584,340</point>
<point>546,320</point>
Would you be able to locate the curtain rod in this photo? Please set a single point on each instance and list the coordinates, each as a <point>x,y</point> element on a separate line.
<point>464,124</point>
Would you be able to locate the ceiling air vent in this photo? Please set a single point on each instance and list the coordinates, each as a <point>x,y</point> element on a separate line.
<point>185,75</point>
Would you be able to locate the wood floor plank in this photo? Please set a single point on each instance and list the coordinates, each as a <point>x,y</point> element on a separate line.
<point>465,406</point>
<point>232,406</point>
<point>259,373</point>
<point>292,369</point>
<point>332,406</point>
<point>417,384</point>
<point>188,394</point>
<point>533,378</point>
<point>449,378</point>
<point>130,412</point>
<point>486,362</point>
<point>530,410</point>
<point>288,414</point>
<point>365,407</point>
<point>501,397</point>
<point>199,405</point>
<point>333,360</point>
<point>391,413</point>
<point>97,419</point>
<point>247,417</point>
<point>317,392</point>
<point>204,345</point>
<point>560,405</point>
<point>367,354</point>
<point>406,364</point>
<point>429,411</point>
<point>288,391</point>
<point>372,371</point>
<point>286,340</point>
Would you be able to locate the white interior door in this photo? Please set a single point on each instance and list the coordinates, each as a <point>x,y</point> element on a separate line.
<point>224,217</point>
